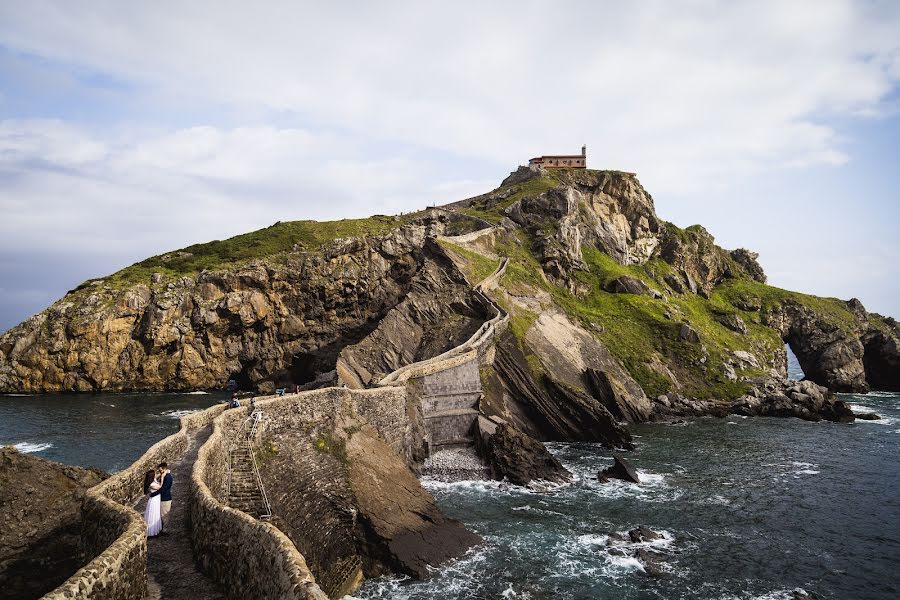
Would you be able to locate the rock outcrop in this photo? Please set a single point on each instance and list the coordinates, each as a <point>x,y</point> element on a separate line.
<point>517,457</point>
<point>547,409</point>
<point>855,354</point>
<point>40,522</point>
<point>620,469</point>
<point>802,399</point>
<point>403,527</point>
<point>265,324</point>
<point>348,500</point>
<point>770,398</point>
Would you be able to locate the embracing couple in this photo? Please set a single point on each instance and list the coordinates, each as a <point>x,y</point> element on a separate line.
<point>158,484</point>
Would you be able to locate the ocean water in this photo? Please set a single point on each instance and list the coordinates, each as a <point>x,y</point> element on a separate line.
<point>108,431</point>
<point>749,508</point>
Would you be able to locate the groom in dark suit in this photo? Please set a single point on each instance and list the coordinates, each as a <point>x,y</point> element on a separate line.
<point>165,493</point>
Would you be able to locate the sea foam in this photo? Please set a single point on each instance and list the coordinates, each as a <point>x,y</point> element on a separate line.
<point>29,447</point>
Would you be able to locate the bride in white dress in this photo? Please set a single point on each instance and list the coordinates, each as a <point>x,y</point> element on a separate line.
<point>151,513</point>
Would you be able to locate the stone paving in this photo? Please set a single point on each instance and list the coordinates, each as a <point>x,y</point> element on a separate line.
<point>170,560</point>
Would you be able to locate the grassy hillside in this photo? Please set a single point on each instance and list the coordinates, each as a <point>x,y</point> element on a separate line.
<point>278,239</point>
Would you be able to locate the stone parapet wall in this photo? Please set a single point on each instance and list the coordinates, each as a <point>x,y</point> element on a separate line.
<point>249,558</point>
<point>114,533</point>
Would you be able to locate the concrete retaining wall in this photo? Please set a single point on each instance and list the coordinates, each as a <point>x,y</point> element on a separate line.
<point>114,533</point>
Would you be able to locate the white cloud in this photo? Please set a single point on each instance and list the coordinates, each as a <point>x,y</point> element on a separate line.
<point>90,195</point>
<point>706,87</point>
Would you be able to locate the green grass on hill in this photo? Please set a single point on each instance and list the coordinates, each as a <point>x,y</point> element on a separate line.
<point>531,187</point>
<point>277,239</point>
<point>635,327</point>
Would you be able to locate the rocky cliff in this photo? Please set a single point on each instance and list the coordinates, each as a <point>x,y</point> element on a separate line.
<point>609,306</point>
<point>40,522</point>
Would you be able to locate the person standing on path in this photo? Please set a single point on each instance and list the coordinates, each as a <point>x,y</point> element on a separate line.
<point>165,494</point>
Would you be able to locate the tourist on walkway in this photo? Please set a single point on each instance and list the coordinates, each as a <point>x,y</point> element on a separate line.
<point>165,494</point>
<point>152,514</point>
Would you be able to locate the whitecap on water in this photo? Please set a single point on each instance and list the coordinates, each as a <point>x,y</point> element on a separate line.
<point>29,447</point>
<point>805,468</point>
<point>177,414</point>
<point>475,487</point>
<point>195,393</point>
<point>460,578</point>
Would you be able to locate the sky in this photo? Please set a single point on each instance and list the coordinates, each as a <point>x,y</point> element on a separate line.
<point>130,129</point>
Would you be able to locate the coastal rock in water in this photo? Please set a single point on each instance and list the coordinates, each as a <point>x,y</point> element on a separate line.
<point>399,517</point>
<point>867,416</point>
<point>802,399</point>
<point>858,354</point>
<point>643,534</point>
<point>620,469</point>
<point>651,561</point>
<point>517,457</point>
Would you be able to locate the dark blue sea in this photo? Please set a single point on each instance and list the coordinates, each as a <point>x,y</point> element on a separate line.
<point>108,431</point>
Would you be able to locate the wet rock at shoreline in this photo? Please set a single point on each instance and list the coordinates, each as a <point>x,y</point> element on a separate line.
<point>513,455</point>
<point>770,398</point>
<point>651,561</point>
<point>785,398</point>
<point>867,416</point>
<point>620,469</point>
<point>643,534</point>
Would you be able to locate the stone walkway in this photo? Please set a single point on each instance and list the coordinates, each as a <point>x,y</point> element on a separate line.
<point>170,560</point>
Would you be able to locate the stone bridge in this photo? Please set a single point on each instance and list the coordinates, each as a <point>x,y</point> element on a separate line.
<point>430,403</point>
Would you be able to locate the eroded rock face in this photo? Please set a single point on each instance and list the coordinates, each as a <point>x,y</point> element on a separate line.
<point>439,313</point>
<point>699,263</point>
<point>850,357</point>
<point>345,497</point>
<point>608,210</point>
<point>40,522</point>
<point>403,527</point>
<point>264,324</point>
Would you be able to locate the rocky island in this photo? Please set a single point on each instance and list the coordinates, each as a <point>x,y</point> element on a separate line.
<point>558,307</point>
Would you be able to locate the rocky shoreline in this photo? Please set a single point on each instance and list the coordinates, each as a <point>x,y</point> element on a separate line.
<point>770,398</point>
<point>40,522</point>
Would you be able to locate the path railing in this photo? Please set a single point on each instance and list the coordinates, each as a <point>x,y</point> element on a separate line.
<point>248,434</point>
<point>256,418</point>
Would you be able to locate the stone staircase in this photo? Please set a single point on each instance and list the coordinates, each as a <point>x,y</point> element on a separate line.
<point>244,491</point>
